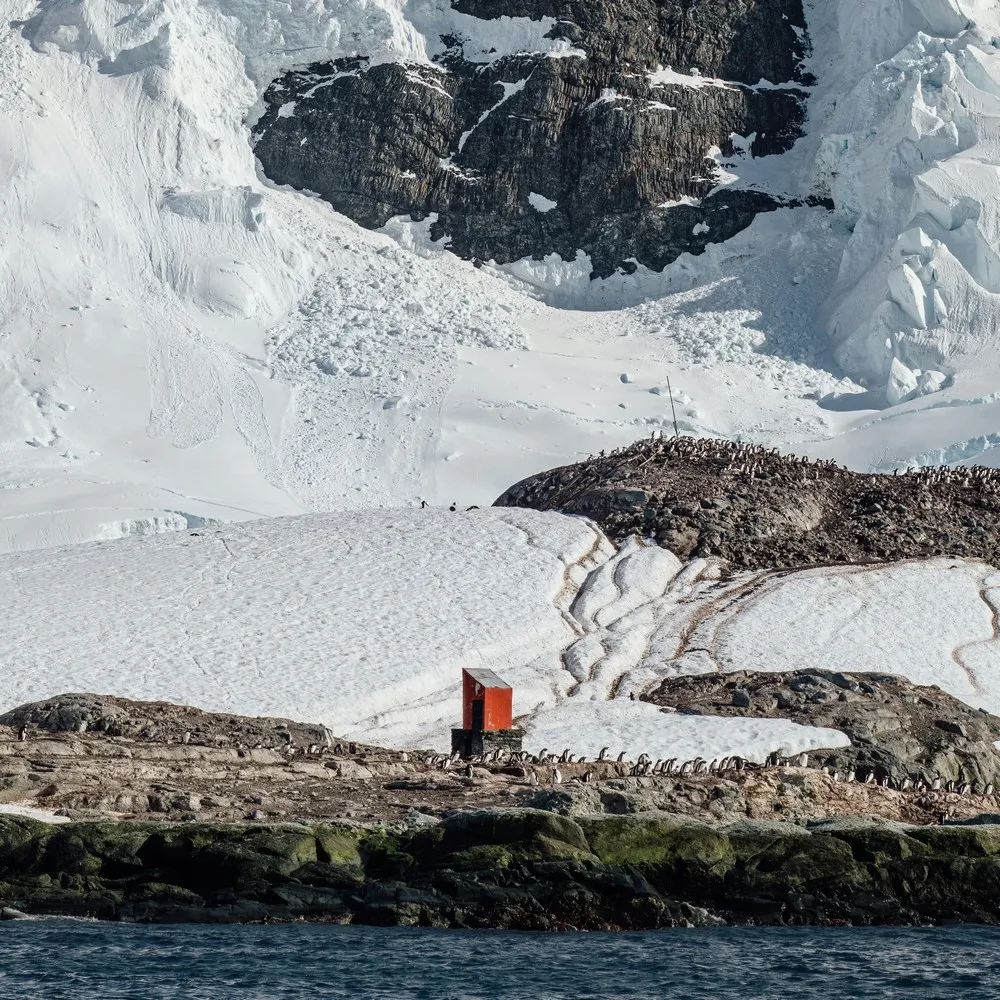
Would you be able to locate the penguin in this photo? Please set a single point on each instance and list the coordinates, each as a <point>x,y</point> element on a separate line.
<point>186,738</point>
<point>851,775</point>
<point>936,783</point>
<point>423,504</point>
<point>532,778</point>
<point>556,776</point>
<point>588,776</point>
<point>803,760</point>
<point>988,790</point>
<point>603,753</point>
<point>404,756</point>
<point>22,733</point>
<point>621,756</point>
<point>468,770</point>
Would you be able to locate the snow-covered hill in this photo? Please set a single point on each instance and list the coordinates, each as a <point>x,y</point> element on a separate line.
<point>181,342</point>
<point>363,622</point>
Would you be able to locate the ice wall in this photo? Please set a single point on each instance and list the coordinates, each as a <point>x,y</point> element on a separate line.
<point>906,124</point>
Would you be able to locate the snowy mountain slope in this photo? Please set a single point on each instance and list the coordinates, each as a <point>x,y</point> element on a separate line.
<point>181,342</point>
<point>363,621</point>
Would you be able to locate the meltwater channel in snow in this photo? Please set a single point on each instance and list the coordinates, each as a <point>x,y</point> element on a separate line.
<point>363,621</point>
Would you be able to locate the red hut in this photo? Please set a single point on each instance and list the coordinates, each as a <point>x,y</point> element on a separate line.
<point>487,701</point>
<point>487,715</point>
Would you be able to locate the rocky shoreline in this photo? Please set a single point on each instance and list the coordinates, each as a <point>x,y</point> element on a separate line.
<point>515,869</point>
<point>165,813</point>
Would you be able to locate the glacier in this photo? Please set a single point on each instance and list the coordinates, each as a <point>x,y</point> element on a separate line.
<point>181,340</point>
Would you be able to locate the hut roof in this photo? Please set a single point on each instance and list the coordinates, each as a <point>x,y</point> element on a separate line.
<point>486,677</point>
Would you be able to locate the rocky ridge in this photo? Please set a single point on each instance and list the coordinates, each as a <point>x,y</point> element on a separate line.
<point>205,770</point>
<point>898,731</point>
<point>759,509</point>
<point>607,143</point>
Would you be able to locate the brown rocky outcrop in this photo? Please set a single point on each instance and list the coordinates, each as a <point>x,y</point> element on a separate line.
<point>147,771</point>
<point>897,730</point>
<point>759,509</point>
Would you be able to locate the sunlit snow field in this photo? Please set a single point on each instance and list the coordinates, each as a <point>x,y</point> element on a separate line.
<point>364,621</point>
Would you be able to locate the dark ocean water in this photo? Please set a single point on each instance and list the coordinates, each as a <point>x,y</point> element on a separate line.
<point>56,959</point>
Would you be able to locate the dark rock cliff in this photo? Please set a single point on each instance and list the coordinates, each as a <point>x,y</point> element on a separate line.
<point>514,869</point>
<point>474,138</point>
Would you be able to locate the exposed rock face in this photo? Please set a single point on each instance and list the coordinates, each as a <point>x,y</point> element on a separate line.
<point>140,764</point>
<point>159,722</point>
<point>761,510</point>
<point>897,729</point>
<point>514,869</point>
<point>580,148</point>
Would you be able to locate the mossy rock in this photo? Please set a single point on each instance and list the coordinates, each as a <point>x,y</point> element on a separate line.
<point>877,843</point>
<point>16,831</point>
<point>337,842</point>
<point>291,844</point>
<point>383,856</point>
<point>769,856</point>
<point>161,893</point>
<point>523,834</point>
<point>958,841</point>
<point>481,857</point>
<point>21,842</point>
<point>330,875</point>
<point>656,838</point>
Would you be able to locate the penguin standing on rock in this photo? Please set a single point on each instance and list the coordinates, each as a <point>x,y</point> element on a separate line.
<point>22,733</point>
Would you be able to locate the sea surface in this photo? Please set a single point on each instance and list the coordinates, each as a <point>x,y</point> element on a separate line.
<point>56,959</point>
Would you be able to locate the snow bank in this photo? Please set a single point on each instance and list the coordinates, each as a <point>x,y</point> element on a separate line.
<point>363,621</point>
<point>45,815</point>
<point>336,618</point>
<point>638,727</point>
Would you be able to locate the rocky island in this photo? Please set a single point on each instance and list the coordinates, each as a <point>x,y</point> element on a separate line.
<point>166,813</point>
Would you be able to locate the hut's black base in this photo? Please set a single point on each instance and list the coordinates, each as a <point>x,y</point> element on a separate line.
<point>475,742</point>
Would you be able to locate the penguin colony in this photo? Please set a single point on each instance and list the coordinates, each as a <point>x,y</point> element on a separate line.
<point>759,509</point>
<point>645,766</point>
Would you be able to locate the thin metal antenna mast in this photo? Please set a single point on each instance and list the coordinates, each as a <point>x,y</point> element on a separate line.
<point>670,392</point>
